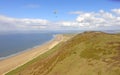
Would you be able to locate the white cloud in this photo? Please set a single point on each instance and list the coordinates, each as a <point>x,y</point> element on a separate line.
<point>7,23</point>
<point>97,19</point>
<point>84,20</point>
<point>117,11</point>
<point>66,23</point>
<point>76,12</point>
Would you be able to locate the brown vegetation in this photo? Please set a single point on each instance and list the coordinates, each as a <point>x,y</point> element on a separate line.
<point>88,53</point>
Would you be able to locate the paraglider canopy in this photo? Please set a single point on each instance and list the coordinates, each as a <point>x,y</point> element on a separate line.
<point>55,12</point>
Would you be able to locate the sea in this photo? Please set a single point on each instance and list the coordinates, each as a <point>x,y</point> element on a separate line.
<point>12,44</point>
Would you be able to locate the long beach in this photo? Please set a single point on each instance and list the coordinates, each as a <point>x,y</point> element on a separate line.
<point>13,62</point>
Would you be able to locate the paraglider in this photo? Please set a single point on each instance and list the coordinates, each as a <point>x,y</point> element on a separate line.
<point>55,12</point>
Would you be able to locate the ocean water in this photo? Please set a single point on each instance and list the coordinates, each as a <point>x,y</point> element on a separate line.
<point>12,44</point>
<point>15,43</point>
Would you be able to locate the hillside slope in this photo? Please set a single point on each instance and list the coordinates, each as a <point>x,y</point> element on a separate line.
<point>88,53</point>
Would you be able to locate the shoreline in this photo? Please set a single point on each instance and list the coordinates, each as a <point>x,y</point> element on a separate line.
<point>15,54</point>
<point>15,61</point>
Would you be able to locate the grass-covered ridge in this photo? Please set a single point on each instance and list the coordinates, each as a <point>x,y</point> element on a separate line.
<point>88,53</point>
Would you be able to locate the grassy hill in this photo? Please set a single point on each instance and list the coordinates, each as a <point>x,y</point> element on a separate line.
<point>88,53</point>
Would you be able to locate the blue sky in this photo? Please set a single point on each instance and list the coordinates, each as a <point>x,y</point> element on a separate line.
<point>44,9</point>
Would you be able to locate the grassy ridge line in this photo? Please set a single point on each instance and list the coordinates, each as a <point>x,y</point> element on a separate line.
<point>91,53</point>
<point>88,53</point>
<point>41,57</point>
<point>15,71</point>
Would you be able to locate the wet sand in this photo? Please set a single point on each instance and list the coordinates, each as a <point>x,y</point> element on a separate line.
<point>13,62</point>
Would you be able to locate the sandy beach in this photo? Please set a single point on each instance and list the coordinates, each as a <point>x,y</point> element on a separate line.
<point>13,62</point>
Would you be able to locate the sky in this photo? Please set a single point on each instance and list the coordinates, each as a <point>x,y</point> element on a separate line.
<point>35,15</point>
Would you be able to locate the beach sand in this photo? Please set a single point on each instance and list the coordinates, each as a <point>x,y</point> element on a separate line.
<point>13,62</point>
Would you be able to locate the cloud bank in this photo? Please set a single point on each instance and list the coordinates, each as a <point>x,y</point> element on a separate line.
<point>96,19</point>
<point>7,24</point>
<point>84,20</point>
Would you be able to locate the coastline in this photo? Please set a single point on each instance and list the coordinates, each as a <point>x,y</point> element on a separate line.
<point>19,59</point>
<point>12,55</point>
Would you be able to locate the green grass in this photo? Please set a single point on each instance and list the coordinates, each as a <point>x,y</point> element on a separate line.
<point>17,70</point>
<point>88,53</point>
